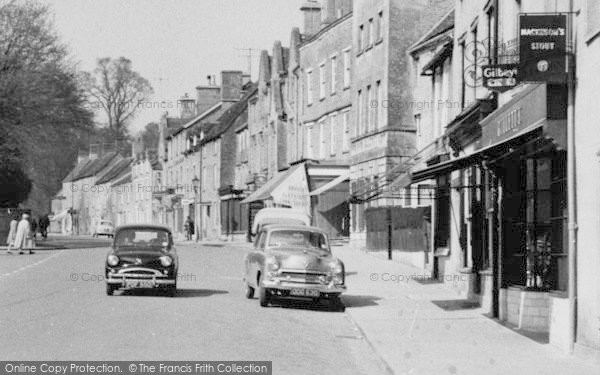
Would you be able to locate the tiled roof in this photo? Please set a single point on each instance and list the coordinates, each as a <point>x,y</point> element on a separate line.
<point>443,26</point>
<point>95,166</point>
<point>173,125</point>
<point>115,171</point>
<point>124,177</point>
<point>228,118</point>
<point>76,170</point>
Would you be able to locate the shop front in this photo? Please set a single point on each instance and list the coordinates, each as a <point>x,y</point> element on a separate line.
<point>514,208</point>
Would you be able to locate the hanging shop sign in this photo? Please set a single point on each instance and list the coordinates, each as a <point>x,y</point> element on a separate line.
<point>542,48</point>
<point>500,77</point>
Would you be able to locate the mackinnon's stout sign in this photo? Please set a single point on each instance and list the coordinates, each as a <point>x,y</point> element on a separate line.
<point>542,48</point>
<point>500,77</point>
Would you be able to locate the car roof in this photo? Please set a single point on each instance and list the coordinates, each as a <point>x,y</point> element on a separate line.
<point>143,226</point>
<point>272,227</point>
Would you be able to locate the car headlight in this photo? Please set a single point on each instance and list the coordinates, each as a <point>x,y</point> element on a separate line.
<point>272,264</point>
<point>336,267</point>
<point>166,261</point>
<point>112,260</point>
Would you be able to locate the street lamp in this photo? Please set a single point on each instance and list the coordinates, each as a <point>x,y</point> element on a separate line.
<point>196,185</point>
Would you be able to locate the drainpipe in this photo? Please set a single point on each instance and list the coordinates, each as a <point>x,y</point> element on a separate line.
<point>572,195</point>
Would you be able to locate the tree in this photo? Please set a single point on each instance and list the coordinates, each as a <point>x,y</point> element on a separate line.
<point>117,91</point>
<point>150,136</point>
<point>43,107</point>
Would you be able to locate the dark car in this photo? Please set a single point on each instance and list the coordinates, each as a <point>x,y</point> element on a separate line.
<point>142,257</point>
<point>292,261</point>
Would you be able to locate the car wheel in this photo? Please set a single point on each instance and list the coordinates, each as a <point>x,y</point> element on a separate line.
<point>249,291</point>
<point>110,289</point>
<point>263,295</point>
<point>172,290</point>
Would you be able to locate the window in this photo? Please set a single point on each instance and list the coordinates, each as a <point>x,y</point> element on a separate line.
<point>369,109</point>
<point>380,109</point>
<point>322,81</point>
<point>407,197</point>
<point>333,74</point>
<point>361,32</point>
<point>322,140</point>
<point>309,87</point>
<point>463,65</point>
<point>418,124</point>
<point>347,63</point>
<point>371,33</point>
<point>380,26</point>
<point>215,177</point>
<point>332,131</point>
<point>375,104</point>
<point>491,38</point>
<point>346,131</point>
<point>309,143</point>
<point>359,104</point>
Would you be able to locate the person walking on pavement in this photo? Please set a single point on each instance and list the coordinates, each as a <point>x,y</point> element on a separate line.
<point>43,224</point>
<point>23,237</point>
<point>12,232</point>
<point>189,228</point>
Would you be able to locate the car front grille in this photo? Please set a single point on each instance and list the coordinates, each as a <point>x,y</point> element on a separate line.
<point>301,277</point>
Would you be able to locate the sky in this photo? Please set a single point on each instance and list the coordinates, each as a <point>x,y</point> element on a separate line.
<point>174,44</point>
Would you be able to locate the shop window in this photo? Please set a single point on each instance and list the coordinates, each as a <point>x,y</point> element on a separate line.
<point>442,228</point>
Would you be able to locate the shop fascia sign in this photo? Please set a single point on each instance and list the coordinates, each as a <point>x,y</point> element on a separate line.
<point>500,77</point>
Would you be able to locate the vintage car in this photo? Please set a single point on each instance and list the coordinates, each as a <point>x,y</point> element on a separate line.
<point>142,257</point>
<point>278,215</point>
<point>104,228</point>
<point>293,261</point>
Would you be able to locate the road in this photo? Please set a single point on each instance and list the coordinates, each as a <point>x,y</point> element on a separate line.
<point>54,307</point>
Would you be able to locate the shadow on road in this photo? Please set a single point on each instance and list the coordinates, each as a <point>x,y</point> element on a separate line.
<point>359,301</point>
<point>307,305</point>
<point>181,293</point>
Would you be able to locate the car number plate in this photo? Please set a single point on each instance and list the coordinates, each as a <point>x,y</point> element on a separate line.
<point>139,284</point>
<point>304,292</point>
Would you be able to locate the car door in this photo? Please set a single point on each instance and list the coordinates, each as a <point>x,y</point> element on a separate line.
<point>254,258</point>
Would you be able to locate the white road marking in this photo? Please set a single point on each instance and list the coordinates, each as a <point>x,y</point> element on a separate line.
<point>14,272</point>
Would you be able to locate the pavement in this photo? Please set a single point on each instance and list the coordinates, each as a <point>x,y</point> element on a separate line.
<point>54,307</point>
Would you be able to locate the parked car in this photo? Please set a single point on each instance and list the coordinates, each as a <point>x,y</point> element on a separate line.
<point>104,228</point>
<point>293,261</point>
<point>142,257</point>
<point>277,215</point>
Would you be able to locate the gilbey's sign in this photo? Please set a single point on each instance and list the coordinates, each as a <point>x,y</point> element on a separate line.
<point>500,77</point>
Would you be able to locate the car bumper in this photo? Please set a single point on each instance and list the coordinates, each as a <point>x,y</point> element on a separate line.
<point>287,286</point>
<point>158,278</point>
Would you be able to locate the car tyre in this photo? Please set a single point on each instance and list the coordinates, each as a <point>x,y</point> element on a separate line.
<point>249,291</point>
<point>172,290</point>
<point>263,295</point>
<point>110,289</point>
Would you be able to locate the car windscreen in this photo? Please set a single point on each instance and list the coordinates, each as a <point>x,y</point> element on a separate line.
<point>147,238</point>
<point>298,238</point>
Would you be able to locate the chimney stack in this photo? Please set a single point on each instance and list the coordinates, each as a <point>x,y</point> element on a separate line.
<point>328,12</point>
<point>206,97</point>
<point>311,11</point>
<point>231,85</point>
<point>187,107</point>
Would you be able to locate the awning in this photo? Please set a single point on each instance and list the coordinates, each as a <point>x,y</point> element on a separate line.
<point>331,184</point>
<point>288,188</point>
<point>467,160</point>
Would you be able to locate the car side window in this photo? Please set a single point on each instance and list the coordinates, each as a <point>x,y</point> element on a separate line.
<point>262,240</point>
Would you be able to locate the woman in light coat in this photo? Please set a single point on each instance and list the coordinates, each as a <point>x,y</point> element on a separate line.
<point>24,237</point>
<point>12,232</point>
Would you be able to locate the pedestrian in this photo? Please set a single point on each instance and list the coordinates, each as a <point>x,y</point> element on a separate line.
<point>43,224</point>
<point>12,232</point>
<point>23,237</point>
<point>33,226</point>
<point>189,228</point>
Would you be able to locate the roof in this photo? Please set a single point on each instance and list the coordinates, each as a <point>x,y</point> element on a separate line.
<point>442,26</point>
<point>95,166</point>
<point>78,167</point>
<point>272,227</point>
<point>173,125</point>
<point>264,192</point>
<point>124,177</point>
<point>197,118</point>
<point>115,171</point>
<point>444,53</point>
<point>228,117</point>
<point>142,226</point>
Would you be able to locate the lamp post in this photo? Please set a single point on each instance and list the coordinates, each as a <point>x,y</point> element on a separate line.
<point>196,185</point>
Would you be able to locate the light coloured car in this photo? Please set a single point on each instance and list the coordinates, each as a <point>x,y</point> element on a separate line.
<point>104,228</point>
<point>278,215</point>
<point>293,261</point>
